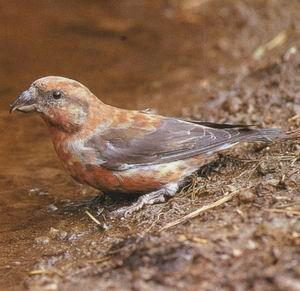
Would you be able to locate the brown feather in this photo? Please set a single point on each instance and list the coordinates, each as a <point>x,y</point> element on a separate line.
<point>174,139</point>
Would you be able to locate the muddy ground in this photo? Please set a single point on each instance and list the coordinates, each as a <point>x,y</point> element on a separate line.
<point>228,61</point>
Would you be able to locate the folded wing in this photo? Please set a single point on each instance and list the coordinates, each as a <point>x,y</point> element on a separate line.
<point>174,139</point>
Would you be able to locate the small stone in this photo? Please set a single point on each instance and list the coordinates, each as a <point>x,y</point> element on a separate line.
<point>51,207</point>
<point>34,190</point>
<point>265,168</point>
<point>43,193</point>
<point>289,53</point>
<point>246,196</point>
<point>42,240</point>
<point>273,182</point>
<point>73,237</point>
<point>93,244</point>
<point>236,253</point>
<point>251,245</point>
<point>57,234</point>
<point>232,105</point>
<point>37,191</point>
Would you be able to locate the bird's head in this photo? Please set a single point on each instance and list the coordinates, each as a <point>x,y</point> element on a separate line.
<point>63,103</point>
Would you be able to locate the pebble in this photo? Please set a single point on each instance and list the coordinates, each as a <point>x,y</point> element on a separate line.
<point>52,207</point>
<point>246,196</point>
<point>232,105</point>
<point>57,234</point>
<point>273,182</point>
<point>237,253</point>
<point>42,240</point>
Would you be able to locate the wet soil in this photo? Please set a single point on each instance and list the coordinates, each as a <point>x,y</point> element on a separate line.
<point>228,61</point>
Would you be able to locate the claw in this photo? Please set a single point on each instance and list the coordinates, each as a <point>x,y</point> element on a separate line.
<point>147,199</point>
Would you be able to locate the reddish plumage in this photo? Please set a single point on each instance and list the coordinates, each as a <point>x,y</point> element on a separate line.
<point>126,151</point>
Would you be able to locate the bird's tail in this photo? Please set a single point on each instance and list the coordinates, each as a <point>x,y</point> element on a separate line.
<point>270,134</point>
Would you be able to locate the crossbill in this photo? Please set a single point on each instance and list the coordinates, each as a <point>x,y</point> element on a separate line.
<point>127,151</point>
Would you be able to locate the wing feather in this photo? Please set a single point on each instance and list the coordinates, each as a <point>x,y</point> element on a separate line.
<point>172,140</point>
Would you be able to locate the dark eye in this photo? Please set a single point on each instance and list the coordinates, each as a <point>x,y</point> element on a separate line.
<point>57,94</point>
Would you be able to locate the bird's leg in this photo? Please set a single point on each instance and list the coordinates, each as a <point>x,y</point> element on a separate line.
<point>154,197</point>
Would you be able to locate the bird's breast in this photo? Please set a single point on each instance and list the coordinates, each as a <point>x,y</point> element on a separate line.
<point>135,180</point>
<point>85,167</point>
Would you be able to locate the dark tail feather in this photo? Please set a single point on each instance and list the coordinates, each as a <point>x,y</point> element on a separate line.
<point>220,125</point>
<point>270,134</point>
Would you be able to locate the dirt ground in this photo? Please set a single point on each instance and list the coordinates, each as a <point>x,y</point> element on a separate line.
<point>227,61</point>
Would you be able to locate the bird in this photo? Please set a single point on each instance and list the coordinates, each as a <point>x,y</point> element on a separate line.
<point>126,152</point>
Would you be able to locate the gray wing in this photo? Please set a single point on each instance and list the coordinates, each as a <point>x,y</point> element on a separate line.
<point>172,140</point>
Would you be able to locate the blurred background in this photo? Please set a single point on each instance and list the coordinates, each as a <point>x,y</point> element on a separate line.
<point>175,56</point>
<point>138,53</point>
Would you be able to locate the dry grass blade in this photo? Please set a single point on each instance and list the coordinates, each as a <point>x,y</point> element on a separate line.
<point>92,218</point>
<point>278,40</point>
<point>224,199</point>
<point>99,260</point>
<point>46,272</point>
<point>286,211</point>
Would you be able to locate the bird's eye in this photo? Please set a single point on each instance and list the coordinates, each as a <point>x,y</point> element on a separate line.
<point>57,94</point>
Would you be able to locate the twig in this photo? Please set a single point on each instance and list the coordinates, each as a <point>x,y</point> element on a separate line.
<point>278,40</point>
<point>99,260</point>
<point>46,272</point>
<point>224,199</point>
<point>154,222</point>
<point>286,211</point>
<point>93,218</point>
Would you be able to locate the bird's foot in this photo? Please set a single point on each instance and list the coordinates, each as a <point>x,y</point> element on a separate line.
<point>154,197</point>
